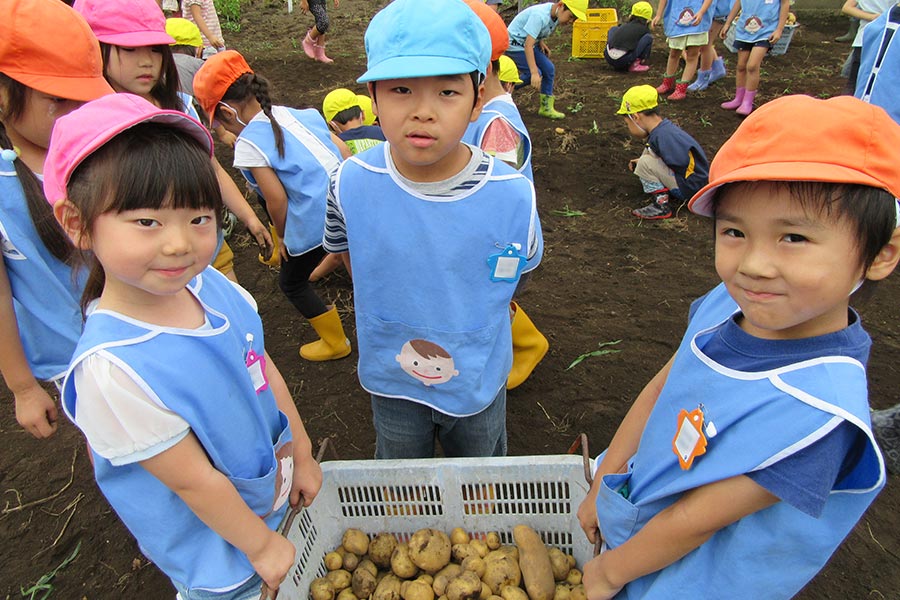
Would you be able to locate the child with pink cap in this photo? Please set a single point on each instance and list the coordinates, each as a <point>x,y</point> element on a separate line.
<point>196,442</point>
<point>40,80</point>
<point>137,58</point>
<point>749,457</point>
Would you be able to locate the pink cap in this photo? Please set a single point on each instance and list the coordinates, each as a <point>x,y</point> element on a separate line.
<point>129,23</point>
<point>78,134</point>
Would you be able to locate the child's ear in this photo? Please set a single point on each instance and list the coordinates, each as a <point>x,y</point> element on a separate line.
<point>69,217</point>
<point>371,87</point>
<point>479,104</point>
<point>887,259</point>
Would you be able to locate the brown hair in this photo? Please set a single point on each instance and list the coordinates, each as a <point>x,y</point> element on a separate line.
<point>428,349</point>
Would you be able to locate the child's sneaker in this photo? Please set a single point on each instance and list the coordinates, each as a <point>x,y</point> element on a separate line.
<point>658,209</point>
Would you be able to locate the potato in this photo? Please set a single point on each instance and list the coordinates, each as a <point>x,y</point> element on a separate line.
<point>512,592</point>
<point>350,561</point>
<point>321,589</point>
<point>465,586</point>
<point>333,561</point>
<point>416,590</point>
<point>480,547</point>
<point>510,551</point>
<point>429,579</point>
<point>492,540</point>
<point>578,593</point>
<point>381,548</point>
<point>563,592</point>
<point>574,577</point>
<point>460,552</point>
<point>339,578</point>
<point>485,591</point>
<point>388,588</point>
<point>363,582</point>
<point>501,569</point>
<point>347,594</point>
<point>459,536</point>
<point>571,560</point>
<point>559,563</point>
<point>429,549</point>
<point>534,560</point>
<point>474,564</point>
<point>355,541</point>
<point>401,565</point>
<point>443,577</point>
<point>367,565</point>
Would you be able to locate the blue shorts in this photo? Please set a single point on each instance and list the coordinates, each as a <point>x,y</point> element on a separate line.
<point>405,429</point>
<point>748,46</point>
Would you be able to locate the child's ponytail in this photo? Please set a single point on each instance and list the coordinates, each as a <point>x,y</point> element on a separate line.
<point>49,231</point>
<point>259,87</point>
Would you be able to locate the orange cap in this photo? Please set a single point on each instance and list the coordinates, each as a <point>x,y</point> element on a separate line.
<point>215,77</point>
<point>800,138</point>
<point>495,26</point>
<point>66,63</point>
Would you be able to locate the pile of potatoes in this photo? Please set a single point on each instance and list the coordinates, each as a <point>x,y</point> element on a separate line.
<point>434,565</point>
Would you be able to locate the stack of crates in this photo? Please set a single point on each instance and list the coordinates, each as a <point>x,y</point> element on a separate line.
<point>589,37</point>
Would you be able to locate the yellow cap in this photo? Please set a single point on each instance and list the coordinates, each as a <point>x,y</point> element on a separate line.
<point>578,8</point>
<point>184,32</point>
<point>638,99</point>
<point>642,9</point>
<point>338,100</point>
<point>509,72</point>
<point>365,103</point>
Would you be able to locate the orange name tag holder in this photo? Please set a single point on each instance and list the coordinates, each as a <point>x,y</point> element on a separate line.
<point>689,441</point>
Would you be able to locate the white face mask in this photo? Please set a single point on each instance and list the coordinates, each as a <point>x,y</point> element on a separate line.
<point>633,120</point>
<point>237,116</point>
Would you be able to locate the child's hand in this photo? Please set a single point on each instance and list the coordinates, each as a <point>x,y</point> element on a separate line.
<point>654,21</point>
<point>217,42</point>
<point>723,33</point>
<point>632,164</point>
<point>36,411</point>
<point>304,6</point>
<point>262,237</point>
<point>776,35</point>
<point>697,18</point>
<point>307,480</point>
<point>536,80</point>
<point>596,586</point>
<point>587,517</point>
<point>273,560</point>
<point>545,48</point>
<point>337,3</point>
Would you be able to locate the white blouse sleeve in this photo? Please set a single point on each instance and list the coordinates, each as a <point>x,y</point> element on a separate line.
<point>120,420</point>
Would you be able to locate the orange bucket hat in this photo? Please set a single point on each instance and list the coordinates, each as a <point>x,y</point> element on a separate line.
<point>495,26</point>
<point>800,138</point>
<point>215,77</point>
<point>66,63</point>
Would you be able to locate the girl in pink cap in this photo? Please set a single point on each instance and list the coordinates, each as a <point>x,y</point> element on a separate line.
<point>137,59</point>
<point>195,439</point>
<point>40,80</point>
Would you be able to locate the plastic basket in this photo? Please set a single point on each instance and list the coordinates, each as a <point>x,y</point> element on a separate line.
<point>780,47</point>
<point>402,496</point>
<point>589,37</point>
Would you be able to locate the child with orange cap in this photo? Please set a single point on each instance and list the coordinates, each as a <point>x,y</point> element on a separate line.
<point>287,156</point>
<point>749,457</point>
<point>527,48</point>
<point>40,80</point>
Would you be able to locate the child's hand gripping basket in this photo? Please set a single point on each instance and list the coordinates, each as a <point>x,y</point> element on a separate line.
<point>589,37</point>
<point>402,496</point>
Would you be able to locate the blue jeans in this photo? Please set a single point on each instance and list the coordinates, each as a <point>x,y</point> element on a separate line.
<point>405,429</point>
<point>545,67</point>
<point>642,51</point>
<point>249,590</point>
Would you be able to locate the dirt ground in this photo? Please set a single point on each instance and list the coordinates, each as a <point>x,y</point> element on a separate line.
<point>605,277</point>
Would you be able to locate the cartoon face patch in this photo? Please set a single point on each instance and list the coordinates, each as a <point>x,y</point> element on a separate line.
<point>426,362</point>
<point>686,17</point>
<point>753,24</point>
<point>284,475</point>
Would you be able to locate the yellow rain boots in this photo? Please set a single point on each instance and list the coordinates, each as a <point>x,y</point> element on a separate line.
<point>529,347</point>
<point>275,259</point>
<point>333,345</point>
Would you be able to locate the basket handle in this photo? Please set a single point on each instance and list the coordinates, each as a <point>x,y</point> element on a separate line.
<point>264,592</point>
<point>582,441</point>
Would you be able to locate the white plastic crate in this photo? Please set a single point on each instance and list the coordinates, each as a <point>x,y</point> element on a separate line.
<point>778,48</point>
<point>402,496</point>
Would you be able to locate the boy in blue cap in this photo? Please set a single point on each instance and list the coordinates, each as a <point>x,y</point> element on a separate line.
<point>438,234</point>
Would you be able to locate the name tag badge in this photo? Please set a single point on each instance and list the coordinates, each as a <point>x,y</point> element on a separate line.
<point>689,441</point>
<point>256,367</point>
<point>508,264</point>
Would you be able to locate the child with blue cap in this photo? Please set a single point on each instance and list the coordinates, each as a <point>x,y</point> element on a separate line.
<point>438,233</point>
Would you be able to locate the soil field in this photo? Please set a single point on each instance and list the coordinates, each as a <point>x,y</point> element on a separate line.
<point>605,277</point>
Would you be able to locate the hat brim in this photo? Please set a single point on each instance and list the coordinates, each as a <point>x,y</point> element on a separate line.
<point>136,39</point>
<point>579,14</point>
<point>701,203</point>
<point>403,67</point>
<point>83,89</point>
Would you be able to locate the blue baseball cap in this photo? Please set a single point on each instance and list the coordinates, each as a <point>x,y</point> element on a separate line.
<point>416,38</point>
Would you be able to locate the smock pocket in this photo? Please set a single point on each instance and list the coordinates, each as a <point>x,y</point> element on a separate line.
<point>265,494</point>
<point>616,515</point>
<point>458,371</point>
